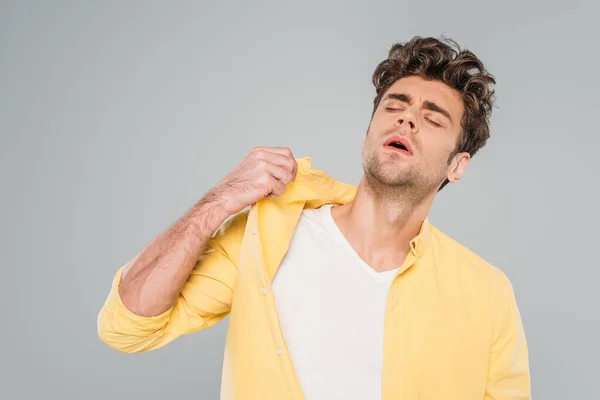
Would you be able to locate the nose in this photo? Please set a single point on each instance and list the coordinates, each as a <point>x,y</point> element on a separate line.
<point>408,120</point>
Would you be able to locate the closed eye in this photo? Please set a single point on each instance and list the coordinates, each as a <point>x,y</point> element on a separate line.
<point>433,122</point>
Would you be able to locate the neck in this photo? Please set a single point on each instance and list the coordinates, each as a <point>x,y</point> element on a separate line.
<point>379,224</point>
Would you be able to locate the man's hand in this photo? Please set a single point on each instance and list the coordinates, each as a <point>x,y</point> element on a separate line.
<point>265,172</point>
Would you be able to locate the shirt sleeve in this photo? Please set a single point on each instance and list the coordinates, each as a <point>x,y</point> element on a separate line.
<point>204,300</point>
<point>509,376</point>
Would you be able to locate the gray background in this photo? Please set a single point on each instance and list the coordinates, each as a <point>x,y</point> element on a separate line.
<point>117,116</point>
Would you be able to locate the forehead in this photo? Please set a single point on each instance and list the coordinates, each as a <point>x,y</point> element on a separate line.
<point>430,90</point>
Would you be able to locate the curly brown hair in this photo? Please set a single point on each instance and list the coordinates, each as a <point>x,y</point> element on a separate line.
<point>444,60</point>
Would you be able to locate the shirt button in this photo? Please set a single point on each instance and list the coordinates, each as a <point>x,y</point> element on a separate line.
<point>254,231</point>
<point>279,351</point>
<point>264,291</point>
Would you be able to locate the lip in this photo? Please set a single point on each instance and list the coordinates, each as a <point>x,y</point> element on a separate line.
<point>400,139</point>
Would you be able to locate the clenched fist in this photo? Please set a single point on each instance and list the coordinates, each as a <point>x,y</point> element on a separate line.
<point>265,172</point>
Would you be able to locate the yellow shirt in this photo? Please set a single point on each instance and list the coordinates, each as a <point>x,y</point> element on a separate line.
<point>452,328</point>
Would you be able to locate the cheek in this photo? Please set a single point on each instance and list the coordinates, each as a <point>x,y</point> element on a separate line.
<point>381,123</point>
<point>438,150</point>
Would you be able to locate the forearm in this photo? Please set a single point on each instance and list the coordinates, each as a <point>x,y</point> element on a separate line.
<point>152,281</point>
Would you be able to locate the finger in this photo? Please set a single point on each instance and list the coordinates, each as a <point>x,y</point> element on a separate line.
<point>283,155</point>
<point>277,188</point>
<point>282,174</point>
<point>289,163</point>
<point>284,151</point>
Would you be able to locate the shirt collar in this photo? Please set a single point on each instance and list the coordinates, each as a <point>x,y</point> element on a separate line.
<point>420,243</point>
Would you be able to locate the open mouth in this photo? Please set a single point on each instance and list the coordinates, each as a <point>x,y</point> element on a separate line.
<point>398,145</point>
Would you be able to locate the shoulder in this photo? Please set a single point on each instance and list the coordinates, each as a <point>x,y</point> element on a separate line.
<point>464,261</point>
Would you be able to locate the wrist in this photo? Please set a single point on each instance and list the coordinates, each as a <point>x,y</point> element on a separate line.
<point>210,212</point>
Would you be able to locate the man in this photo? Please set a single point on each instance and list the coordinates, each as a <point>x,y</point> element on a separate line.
<point>336,291</point>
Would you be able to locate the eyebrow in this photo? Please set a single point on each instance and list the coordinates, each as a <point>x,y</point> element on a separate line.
<point>428,105</point>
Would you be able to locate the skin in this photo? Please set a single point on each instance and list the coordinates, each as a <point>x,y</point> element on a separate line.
<point>393,198</point>
<point>396,191</point>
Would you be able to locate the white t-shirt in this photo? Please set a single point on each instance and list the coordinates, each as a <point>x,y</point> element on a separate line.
<point>331,307</point>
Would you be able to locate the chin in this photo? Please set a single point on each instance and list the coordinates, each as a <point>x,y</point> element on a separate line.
<point>388,176</point>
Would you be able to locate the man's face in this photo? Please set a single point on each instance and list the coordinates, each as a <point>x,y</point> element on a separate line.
<point>422,119</point>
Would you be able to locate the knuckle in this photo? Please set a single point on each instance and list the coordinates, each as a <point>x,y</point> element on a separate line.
<point>260,154</point>
<point>264,181</point>
<point>261,163</point>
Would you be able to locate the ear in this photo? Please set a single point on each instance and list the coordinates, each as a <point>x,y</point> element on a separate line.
<point>458,166</point>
